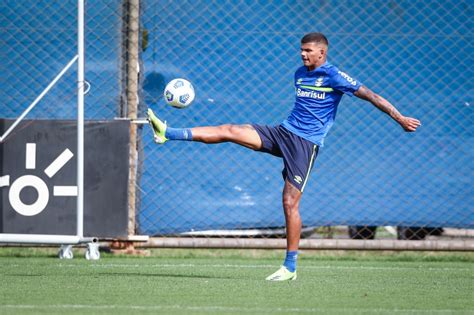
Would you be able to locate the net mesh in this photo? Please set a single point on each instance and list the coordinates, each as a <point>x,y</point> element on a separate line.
<point>241,57</point>
<point>39,38</point>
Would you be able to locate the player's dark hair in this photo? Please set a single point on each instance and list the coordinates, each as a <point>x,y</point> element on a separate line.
<point>315,38</point>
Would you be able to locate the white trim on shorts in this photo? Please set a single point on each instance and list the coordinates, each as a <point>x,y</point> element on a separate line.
<point>310,167</point>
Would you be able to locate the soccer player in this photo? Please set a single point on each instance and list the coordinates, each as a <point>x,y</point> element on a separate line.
<point>319,87</point>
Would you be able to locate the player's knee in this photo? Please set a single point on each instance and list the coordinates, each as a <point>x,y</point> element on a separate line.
<point>290,204</point>
<point>234,130</point>
<point>231,132</point>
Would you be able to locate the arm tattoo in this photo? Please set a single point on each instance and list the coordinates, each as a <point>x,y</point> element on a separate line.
<point>378,101</point>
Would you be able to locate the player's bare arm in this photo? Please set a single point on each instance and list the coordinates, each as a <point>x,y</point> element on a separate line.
<point>409,124</point>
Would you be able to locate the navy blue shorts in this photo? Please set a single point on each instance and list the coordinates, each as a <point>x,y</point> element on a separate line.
<point>298,154</point>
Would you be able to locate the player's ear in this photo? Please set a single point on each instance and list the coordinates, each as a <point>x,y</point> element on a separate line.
<point>322,53</point>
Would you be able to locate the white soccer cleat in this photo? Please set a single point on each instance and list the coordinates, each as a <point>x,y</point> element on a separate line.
<point>158,127</point>
<point>282,274</point>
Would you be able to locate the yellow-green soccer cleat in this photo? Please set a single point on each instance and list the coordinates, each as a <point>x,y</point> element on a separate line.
<point>282,274</point>
<point>159,127</point>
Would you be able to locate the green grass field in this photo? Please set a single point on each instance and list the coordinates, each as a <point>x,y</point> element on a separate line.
<point>33,281</point>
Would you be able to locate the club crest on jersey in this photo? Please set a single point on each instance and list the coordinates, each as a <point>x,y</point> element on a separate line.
<point>319,81</point>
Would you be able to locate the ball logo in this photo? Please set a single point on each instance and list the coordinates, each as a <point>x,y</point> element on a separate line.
<point>37,183</point>
<point>178,84</point>
<point>184,98</point>
<point>169,96</point>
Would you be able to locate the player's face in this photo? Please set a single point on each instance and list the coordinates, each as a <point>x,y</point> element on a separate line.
<point>313,55</point>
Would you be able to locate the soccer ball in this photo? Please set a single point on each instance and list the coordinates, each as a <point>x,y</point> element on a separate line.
<point>179,93</point>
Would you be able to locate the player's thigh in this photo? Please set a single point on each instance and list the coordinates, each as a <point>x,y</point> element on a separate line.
<point>245,135</point>
<point>299,156</point>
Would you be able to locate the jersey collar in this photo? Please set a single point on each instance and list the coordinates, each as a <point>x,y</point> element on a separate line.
<point>318,68</point>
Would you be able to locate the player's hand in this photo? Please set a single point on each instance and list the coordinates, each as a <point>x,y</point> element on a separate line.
<point>409,124</point>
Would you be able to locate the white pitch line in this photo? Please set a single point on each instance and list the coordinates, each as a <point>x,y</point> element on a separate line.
<point>58,163</point>
<point>65,190</point>
<point>30,156</point>
<point>216,308</point>
<point>267,266</point>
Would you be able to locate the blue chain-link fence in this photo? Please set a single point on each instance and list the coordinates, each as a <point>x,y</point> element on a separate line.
<point>241,56</point>
<point>39,38</point>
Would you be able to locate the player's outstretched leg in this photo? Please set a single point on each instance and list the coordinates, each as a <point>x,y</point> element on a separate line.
<point>244,135</point>
<point>158,127</point>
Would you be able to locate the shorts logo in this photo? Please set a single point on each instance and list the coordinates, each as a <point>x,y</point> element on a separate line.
<point>298,179</point>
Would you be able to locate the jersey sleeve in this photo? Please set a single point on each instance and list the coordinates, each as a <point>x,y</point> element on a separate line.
<point>344,83</point>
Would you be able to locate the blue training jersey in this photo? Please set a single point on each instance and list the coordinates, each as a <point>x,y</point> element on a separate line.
<point>318,94</point>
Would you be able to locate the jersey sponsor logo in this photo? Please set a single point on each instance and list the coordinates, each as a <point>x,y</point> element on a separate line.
<point>347,77</point>
<point>310,94</point>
